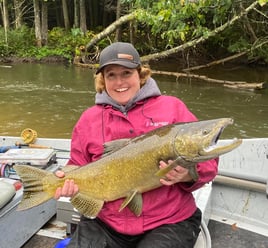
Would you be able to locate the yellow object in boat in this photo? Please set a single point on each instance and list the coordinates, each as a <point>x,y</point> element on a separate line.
<point>28,136</point>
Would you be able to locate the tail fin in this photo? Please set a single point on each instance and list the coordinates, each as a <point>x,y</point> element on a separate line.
<point>34,190</point>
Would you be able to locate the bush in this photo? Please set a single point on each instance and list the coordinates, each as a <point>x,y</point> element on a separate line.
<point>21,43</point>
<point>16,42</point>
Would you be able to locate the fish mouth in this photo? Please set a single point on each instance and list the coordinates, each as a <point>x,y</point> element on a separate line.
<point>225,146</point>
<point>219,149</point>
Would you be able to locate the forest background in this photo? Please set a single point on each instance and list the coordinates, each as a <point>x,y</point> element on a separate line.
<point>214,30</point>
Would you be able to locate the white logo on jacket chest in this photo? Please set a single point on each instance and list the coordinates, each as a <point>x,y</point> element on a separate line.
<point>156,124</point>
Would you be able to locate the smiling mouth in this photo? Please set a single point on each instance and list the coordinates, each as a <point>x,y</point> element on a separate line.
<point>122,89</point>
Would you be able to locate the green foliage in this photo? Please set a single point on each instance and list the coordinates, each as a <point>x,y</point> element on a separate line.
<point>172,23</point>
<point>177,22</point>
<point>160,24</point>
<point>16,42</point>
<point>21,43</point>
<point>262,2</point>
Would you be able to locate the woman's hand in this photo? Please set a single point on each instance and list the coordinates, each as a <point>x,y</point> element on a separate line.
<point>69,188</point>
<point>178,174</point>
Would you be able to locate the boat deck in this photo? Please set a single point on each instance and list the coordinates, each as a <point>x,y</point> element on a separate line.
<point>233,207</point>
<point>222,235</point>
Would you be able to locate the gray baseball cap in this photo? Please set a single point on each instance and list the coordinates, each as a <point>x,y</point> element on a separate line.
<point>119,53</point>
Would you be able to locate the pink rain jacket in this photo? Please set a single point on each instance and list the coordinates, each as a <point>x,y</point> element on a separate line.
<point>108,121</point>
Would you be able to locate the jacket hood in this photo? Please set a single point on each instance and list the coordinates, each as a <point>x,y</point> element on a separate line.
<point>149,89</point>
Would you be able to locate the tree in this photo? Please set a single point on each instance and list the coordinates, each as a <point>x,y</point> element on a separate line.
<point>158,28</point>
<point>44,22</point>
<point>65,14</point>
<point>83,19</point>
<point>5,14</point>
<point>18,13</point>
<point>37,23</point>
<point>118,35</point>
<point>184,25</point>
<point>40,21</point>
<point>76,14</point>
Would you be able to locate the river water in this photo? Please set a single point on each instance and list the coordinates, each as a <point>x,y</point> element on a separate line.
<point>51,98</point>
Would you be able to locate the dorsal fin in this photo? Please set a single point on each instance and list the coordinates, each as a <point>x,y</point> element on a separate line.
<point>113,146</point>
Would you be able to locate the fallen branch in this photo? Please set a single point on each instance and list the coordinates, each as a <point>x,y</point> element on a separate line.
<point>221,61</point>
<point>111,28</point>
<point>225,83</point>
<point>216,62</point>
<point>77,62</point>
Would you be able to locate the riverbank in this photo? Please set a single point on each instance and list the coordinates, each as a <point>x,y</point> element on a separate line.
<point>46,60</point>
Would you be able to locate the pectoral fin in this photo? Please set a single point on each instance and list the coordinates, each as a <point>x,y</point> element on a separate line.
<point>162,172</point>
<point>190,166</point>
<point>133,202</point>
<point>86,205</point>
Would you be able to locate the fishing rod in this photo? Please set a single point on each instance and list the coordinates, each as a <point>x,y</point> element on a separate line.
<point>19,145</point>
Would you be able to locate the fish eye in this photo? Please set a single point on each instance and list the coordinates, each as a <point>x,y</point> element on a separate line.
<point>205,132</point>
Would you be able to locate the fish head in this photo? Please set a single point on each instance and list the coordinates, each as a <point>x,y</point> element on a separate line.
<point>198,141</point>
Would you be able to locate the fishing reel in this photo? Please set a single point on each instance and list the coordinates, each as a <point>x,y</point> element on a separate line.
<point>28,136</point>
<point>7,171</point>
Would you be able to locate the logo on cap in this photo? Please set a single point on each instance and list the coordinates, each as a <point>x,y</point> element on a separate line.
<point>124,56</point>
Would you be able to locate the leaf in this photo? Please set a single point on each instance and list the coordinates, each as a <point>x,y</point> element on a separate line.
<point>234,227</point>
<point>262,2</point>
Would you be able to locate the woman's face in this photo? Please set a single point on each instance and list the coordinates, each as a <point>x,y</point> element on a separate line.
<point>121,83</point>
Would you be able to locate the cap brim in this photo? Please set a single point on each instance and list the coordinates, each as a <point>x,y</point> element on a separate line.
<point>127,64</point>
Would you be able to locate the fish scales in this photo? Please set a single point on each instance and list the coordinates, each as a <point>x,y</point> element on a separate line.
<point>130,167</point>
<point>135,161</point>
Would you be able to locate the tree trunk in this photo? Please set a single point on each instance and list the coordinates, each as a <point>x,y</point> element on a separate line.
<point>83,19</point>
<point>132,29</point>
<point>118,33</point>
<point>65,14</point>
<point>5,16</point>
<point>37,23</point>
<point>18,13</point>
<point>90,15</point>
<point>76,14</point>
<point>44,23</point>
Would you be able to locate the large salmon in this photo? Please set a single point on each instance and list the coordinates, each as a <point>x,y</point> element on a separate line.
<point>130,167</point>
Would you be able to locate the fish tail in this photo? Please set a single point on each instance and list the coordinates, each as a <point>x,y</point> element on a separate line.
<point>36,187</point>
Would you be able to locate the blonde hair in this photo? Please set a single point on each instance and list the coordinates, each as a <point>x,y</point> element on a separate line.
<point>144,72</point>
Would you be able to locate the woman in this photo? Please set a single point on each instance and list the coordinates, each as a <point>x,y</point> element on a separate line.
<point>129,103</point>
